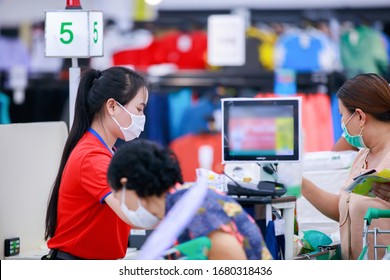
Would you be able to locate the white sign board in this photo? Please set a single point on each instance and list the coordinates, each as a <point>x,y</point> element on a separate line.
<point>226,40</point>
<point>74,33</point>
<point>96,33</point>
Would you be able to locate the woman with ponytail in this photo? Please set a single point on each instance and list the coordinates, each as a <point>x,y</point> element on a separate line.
<point>83,220</point>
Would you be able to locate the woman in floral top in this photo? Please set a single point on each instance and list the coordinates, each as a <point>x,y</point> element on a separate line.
<point>145,179</point>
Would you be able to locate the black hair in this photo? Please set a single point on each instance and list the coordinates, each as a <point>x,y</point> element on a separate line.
<point>95,88</point>
<point>150,168</point>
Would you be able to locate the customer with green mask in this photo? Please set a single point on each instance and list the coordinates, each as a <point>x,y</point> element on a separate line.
<point>364,105</point>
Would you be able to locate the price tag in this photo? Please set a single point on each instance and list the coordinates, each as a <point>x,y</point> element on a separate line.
<point>226,40</point>
<point>74,33</point>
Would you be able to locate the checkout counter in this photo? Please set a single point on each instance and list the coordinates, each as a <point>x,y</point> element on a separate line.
<point>44,147</point>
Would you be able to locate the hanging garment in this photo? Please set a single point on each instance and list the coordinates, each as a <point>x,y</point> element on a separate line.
<point>259,51</point>
<point>178,103</point>
<point>187,147</point>
<point>187,50</point>
<point>4,109</point>
<point>324,123</point>
<point>140,57</point>
<point>363,51</point>
<point>386,43</point>
<point>317,122</point>
<point>13,53</point>
<point>197,116</point>
<point>304,51</point>
<point>157,116</point>
<point>336,118</point>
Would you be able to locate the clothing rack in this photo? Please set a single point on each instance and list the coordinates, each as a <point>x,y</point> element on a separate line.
<point>52,93</point>
<point>262,81</point>
<point>172,18</point>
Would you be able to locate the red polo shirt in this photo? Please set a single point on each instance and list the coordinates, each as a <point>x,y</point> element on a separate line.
<point>87,227</point>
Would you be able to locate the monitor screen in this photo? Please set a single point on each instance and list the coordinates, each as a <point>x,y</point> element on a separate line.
<point>261,129</point>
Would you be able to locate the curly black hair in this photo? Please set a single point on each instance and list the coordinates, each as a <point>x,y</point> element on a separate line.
<point>150,169</point>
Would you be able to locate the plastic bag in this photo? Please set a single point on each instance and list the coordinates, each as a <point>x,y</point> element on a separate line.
<point>214,180</point>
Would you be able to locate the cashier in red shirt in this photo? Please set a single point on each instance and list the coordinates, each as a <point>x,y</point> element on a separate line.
<point>83,220</point>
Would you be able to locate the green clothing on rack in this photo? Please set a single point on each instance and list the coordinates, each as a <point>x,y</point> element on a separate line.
<point>363,51</point>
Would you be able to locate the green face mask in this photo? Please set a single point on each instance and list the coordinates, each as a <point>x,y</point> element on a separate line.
<point>354,140</point>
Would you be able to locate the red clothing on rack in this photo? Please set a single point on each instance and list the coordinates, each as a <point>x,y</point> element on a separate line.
<point>186,148</point>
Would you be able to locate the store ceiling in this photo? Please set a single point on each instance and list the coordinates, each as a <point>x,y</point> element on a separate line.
<point>12,13</point>
<point>268,4</point>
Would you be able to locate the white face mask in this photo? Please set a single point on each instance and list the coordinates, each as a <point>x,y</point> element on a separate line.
<point>141,217</point>
<point>134,130</point>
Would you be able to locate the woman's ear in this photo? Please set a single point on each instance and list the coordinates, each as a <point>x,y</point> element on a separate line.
<point>362,116</point>
<point>110,106</point>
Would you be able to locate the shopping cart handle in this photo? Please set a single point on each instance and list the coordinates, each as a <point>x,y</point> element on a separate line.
<point>375,213</point>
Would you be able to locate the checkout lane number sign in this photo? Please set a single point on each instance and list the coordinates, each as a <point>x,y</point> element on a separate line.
<point>74,33</point>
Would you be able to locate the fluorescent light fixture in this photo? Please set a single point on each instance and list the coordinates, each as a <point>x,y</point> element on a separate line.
<point>153,2</point>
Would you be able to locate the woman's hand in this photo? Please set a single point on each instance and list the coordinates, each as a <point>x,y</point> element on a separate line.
<point>382,190</point>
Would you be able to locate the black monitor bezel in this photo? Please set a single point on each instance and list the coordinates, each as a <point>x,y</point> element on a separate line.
<point>227,103</point>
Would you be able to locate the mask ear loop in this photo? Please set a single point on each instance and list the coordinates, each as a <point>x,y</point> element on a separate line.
<point>349,118</point>
<point>123,182</point>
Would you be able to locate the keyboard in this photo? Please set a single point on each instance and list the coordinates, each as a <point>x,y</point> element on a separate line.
<point>263,188</point>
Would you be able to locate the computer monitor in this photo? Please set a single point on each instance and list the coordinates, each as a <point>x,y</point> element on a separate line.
<point>265,131</point>
<point>262,130</point>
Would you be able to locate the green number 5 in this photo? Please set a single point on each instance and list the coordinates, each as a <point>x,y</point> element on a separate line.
<point>65,30</point>
<point>95,32</point>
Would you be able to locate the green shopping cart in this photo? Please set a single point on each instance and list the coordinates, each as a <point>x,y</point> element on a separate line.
<point>373,213</point>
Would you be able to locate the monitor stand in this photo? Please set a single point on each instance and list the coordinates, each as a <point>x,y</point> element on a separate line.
<point>269,178</point>
<point>268,172</point>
